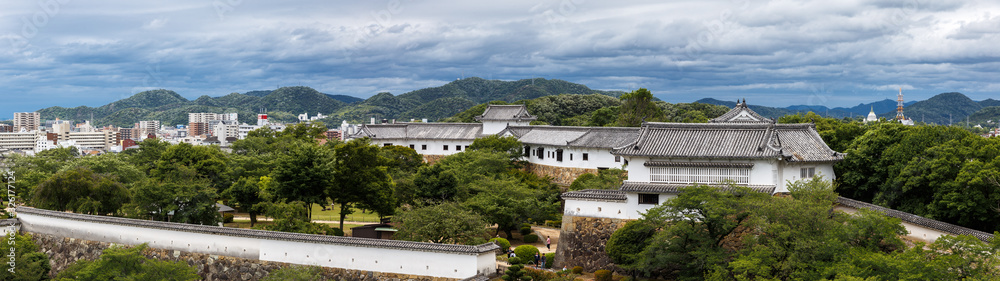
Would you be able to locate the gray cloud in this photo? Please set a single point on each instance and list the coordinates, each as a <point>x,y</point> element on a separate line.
<point>836,53</point>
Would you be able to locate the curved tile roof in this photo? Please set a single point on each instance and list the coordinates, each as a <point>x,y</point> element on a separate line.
<point>593,137</point>
<point>422,131</point>
<point>791,142</point>
<point>677,187</point>
<point>915,219</point>
<point>514,112</point>
<point>596,195</point>
<point>264,234</point>
<point>741,113</point>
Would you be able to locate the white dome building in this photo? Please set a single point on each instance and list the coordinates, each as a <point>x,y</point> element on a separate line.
<point>871,116</point>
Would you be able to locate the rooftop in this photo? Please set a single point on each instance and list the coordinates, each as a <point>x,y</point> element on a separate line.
<point>594,137</point>
<point>435,131</point>
<point>514,112</point>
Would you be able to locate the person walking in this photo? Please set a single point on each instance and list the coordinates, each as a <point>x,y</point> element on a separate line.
<point>548,242</point>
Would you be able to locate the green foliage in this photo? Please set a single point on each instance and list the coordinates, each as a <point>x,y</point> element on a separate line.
<point>443,223</point>
<point>180,197</point>
<point>80,190</point>
<point>227,218</point>
<point>437,183</point>
<point>31,264</point>
<point>561,110</point>
<point>516,273</point>
<point>127,263</point>
<point>526,252</point>
<point>691,112</point>
<point>508,202</point>
<point>296,273</point>
<point>403,163</point>
<point>503,243</point>
<point>336,231</point>
<point>626,244</point>
<point>638,107</point>
<point>525,230</point>
<point>577,270</point>
<point>208,163</point>
<point>837,133</point>
<point>540,275</point>
<point>602,275</point>
<point>305,175</point>
<point>294,217</point>
<point>246,193</point>
<point>470,114</point>
<point>362,178</point>
<point>510,146</point>
<point>530,238</point>
<point>604,179</point>
<point>550,259</point>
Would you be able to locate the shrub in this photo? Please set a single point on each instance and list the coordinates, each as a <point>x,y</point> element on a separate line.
<point>602,275</point>
<point>577,270</point>
<point>540,275</point>
<point>555,223</point>
<point>525,230</point>
<point>227,218</point>
<point>336,231</point>
<point>503,243</point>
<point>550,259</point>
<point>515,260</point>
<point>526,252</point>
<point>530,238</point>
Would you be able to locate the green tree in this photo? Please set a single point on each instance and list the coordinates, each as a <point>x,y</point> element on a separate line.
<point>604,117</point>
<point>293,217</point>
<point>81,190</point>
<point>626,244</point>
<point>208,162</point>
<point>638,107</point>
<point>604,179</point>
<point>509,146</point>
<point>402,163</point>
<point>246,193</point>
<point>508,202</point>
<point>442,223</point>
<point>184,199</point>
<point>30,263</point>
<point>362,179</point>
<point>148,154</point>
<point>127,263</point>
<point>305,175</point>
<point>436,183</point>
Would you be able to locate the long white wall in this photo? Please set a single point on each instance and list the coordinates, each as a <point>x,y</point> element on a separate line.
<point>433,147</point>
<point>630,209</point>
<point>272,246</point>
<point>573,157</point>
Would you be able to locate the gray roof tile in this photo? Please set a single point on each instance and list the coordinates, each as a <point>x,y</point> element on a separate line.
<point>741,114</point>
<point>592,137</point>
<point>677,188</point>
<point>915,219</point>
<point>514,112</point>
<point>264,234</point>
<point>596,195</point>
<point>793,142</point>
<point>422,131</point>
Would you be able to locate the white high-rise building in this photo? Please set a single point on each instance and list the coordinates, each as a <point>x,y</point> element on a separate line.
<point>27,121</point>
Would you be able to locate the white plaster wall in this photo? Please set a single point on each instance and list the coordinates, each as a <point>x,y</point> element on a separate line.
<point>791,172</point>
<point>248,248</point>
<point>916,232</point>
<point>596,158</point>
<point>434,147</point>
<point>373,259</point>
<point>635,210</point>
<point>494,127</point>
<point>637,171</point>
<point>403,261</point>
<point>596,209</point>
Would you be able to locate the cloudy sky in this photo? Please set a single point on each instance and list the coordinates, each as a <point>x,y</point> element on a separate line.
<point>778,53</point>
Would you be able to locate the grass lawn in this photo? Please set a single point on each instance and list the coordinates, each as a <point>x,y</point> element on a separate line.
<point>334,215</point>
<point>246,224</point>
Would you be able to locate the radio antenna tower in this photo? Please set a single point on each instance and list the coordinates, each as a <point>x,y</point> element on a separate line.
<point>899,105</point>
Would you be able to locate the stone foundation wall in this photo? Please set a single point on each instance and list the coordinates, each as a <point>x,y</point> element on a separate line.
<point>433,159</point>
<point>64,251</point>
<point>582,240</point>
<point>560,175</point>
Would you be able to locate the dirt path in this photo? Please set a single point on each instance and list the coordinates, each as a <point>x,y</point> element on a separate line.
<point>543,233</point>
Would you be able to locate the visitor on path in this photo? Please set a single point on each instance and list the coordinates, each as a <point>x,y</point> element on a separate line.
<point>536,259</point>
<point>548,242</point>
<point>543,263</point>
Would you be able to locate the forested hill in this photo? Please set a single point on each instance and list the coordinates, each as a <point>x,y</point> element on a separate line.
<point>457,96</point>
<point>942,109</point>
<point>285,103</point>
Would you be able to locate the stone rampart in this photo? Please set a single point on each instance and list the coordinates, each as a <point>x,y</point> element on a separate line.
<point>563,176</point>
<point>64,251</point>
<point>582,240</point>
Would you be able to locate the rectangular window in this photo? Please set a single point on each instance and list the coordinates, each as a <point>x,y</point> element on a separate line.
<point>699,175</point>
<point>446,147</point>
<point>618,158</point>
<point>423,147</point>
<point>466,147</point>
<point>559,155</point>
<point>540,153</point>
<point>807,172</point>
<point>386,144</point>
<point>458,147</point>
<point>585,157</point>
<point>527,151</point>
<point>413,147</point>
<point>571,157</point>
<point>651,199</point>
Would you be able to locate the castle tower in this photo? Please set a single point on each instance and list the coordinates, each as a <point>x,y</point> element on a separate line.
<point>899,106</point>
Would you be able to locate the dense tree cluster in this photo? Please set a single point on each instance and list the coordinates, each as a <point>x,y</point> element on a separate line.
<point>739,234</point>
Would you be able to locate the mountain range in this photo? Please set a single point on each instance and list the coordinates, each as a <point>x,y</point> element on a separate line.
<point>284,104</point>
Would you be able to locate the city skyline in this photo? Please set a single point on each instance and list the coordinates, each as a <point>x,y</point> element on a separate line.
<point>63,53</point>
